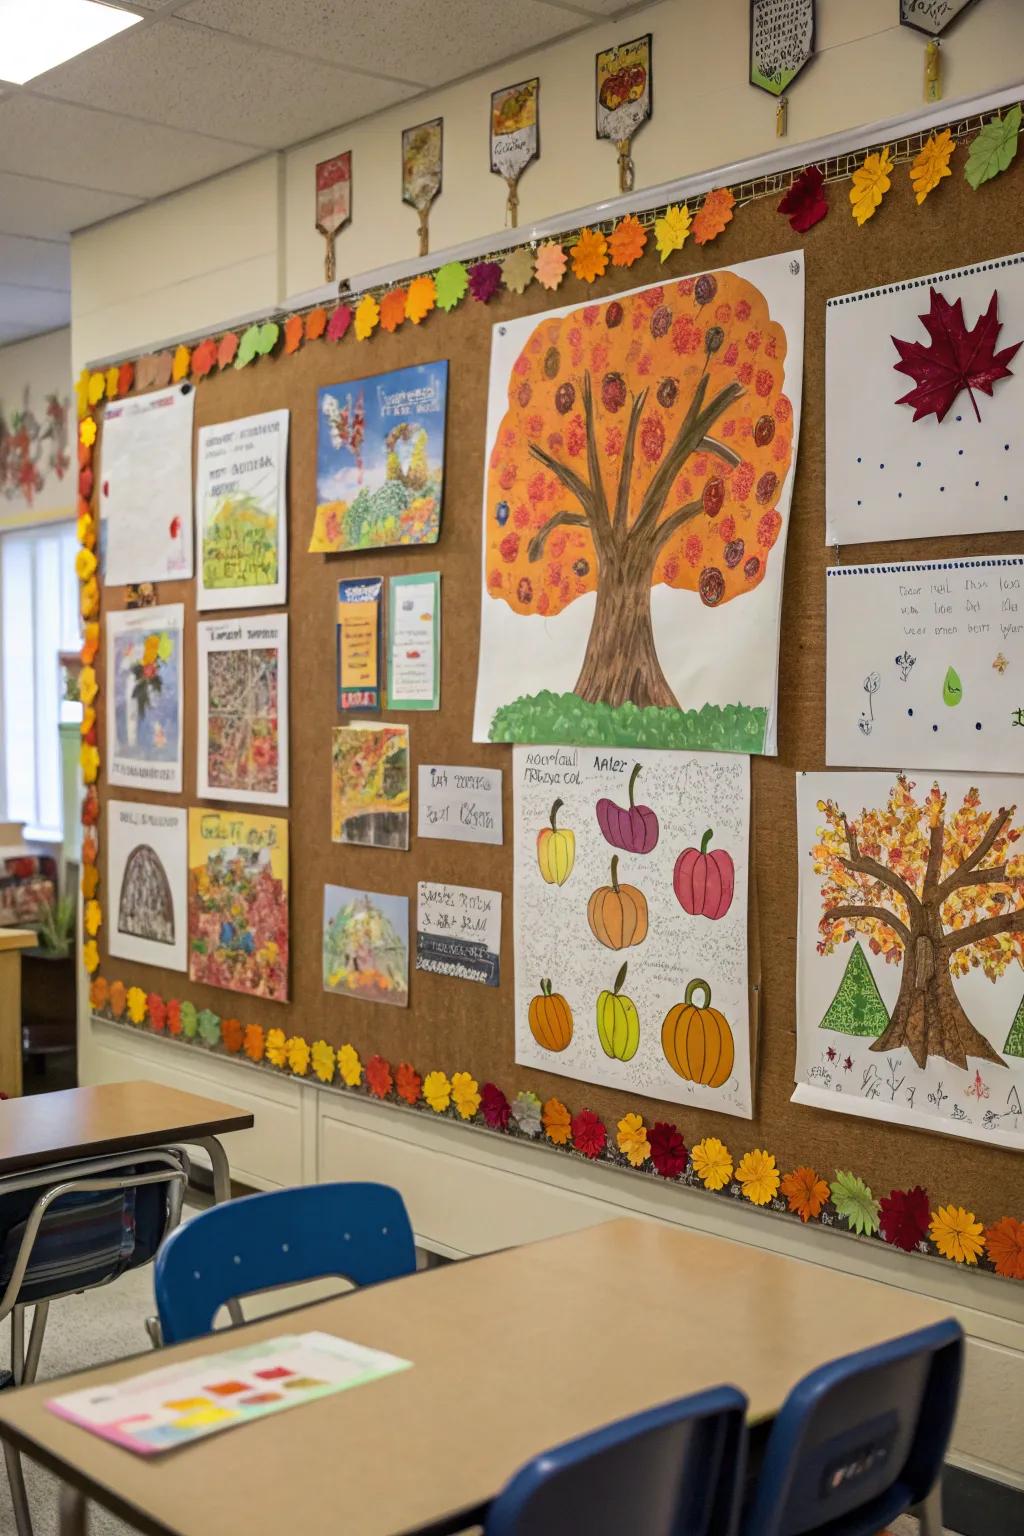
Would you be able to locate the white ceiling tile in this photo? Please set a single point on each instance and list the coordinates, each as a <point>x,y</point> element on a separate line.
<point>174,73</point>
<point>40,137</point>
<point>52,209</point>
<point>429,41</point>
<point>35,307</point>
<point>35,263</point>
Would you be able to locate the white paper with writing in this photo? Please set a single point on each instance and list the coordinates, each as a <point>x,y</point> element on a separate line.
<point>460,804</point>
<point>146,486</point>
<point>458,932</point>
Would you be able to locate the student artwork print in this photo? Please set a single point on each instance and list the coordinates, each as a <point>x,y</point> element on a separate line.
<point>145,687</point>
<point>910,950</point>
<point>630,921</point>
<point>781,42</point>
<point>925,663</point>
<point>359,628</point>
<point>924,395</point>
<point>641,453</point>
<point>242,512</point>
<point>458,932</point>
<point>366,945</point>
<point>243,710</point>
<point>145,483</point>
<point>147,852</point>
<point>370,785</point>
<point>380,460</point>
<point>238,932</point>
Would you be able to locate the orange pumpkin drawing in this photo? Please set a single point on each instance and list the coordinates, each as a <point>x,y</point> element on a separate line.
<point>617,914</point>
<point>698,1042</point>
<point>550,1018</point>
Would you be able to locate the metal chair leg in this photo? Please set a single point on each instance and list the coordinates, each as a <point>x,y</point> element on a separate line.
<point>18,1344</point>
<point>929,1513</point>
<point>19,1495</point>
<point>40,1313</point>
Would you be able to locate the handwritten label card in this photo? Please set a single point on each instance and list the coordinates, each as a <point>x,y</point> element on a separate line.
<point>458,932</point>
<point>414,641</point>
<point>359,630</point>
<point>461,804</point>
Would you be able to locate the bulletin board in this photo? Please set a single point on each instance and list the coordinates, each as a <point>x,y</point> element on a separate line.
<point>454,1025</point>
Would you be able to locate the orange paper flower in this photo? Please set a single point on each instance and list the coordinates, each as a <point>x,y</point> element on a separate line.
<point>316,323</point>
<point>550,265</point>
<point>293,328</point>
<point>1005,1242</point>
<point>117,997</point>
<point>252,1042</point>
<point>392,309</point>
<point>408,1082</point>
<point>90,645</point>
<point>627,242</point>
<point>98,992</point>
<point>231,1035</point>
<point>805,1192</point>
<point>714,215</point>
<point>557,1122</point>
<point>590,255</point>
<point>421,298</point>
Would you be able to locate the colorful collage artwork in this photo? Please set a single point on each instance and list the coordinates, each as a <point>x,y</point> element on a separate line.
<point>366,945</point>
<point>145,688</point>
<point>638,599</point>
<point>238,902</point>
<point>241,512</point>
<point>243,710</point>
<point>370,785</point>
<point>910,950</point>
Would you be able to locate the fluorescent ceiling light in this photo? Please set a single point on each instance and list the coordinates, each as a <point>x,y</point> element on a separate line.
<point>37,35</point>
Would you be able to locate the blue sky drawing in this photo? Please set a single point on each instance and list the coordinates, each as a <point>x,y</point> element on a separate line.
<point>157,734</point>
<point>337,478</point>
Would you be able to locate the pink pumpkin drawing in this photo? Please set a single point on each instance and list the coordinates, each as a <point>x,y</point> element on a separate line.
<point>704,882</point>
<point>634,828</point>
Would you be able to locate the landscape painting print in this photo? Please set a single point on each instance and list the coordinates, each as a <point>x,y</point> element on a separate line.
<point>366,945</point>
<point>243,710</point>
<point>147,873</point>
<point>241,512</point>
<point>144,694</point>
<point>641,454</point>
<point>380,460</point>
<point>910,951</point>
<point>370,785</point>
<point>238,902</point>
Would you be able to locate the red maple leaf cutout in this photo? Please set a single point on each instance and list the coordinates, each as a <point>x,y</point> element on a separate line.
<point>957,358</point>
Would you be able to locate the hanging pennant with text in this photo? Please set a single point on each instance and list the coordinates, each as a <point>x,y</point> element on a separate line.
<point>515,137</point>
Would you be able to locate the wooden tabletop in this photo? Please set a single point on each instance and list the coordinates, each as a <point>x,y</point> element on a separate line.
<point>511,1354</point>
<point>18,938</point>
<point>112,1117</point>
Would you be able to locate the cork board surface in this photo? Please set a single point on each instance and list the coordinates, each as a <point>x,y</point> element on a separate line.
<point>458,1025</point>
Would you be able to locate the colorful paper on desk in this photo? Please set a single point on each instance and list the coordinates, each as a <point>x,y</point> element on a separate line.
<point>146,486</point>
<point>359,632</point>
<point>462,805</point>
<point>241,511</point>
<point>145,684</point>
<point>414,641</point>
<point>458,932</point>
<point>160,1410</point>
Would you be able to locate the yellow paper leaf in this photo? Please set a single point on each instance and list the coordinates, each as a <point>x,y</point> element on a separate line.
<point>367,317</point>
<point>871,181</point>
<point>180,366</point>
<point>113,379</point>
<point>672,229</point>
<point>82,391</point>
<point>97,384</point>
<point>932,164</point>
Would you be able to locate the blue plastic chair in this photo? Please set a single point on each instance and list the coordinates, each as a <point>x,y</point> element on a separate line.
<point>360,1232</point>
<point>862,1440</point>
<point>675,1470</point>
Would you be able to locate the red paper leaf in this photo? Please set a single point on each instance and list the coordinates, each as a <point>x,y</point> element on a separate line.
<point>957,359</point>
<point>227,349</point>
<point>805,204</point>
<point>204,356</point>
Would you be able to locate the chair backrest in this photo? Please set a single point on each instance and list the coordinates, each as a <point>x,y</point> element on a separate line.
<point>359,1232</point>
<point>860,1440</point>
<point>675,1470</point>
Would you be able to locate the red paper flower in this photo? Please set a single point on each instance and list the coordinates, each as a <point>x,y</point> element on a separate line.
<point>174,1017</point>
<point>668,1149</point>
<point>904,1216</point>
<point>484,280</point>
<point>157,1010</point>
<point>85,482</point>
<point>588,1133</point>
<point>204,356</point>
<point>125,378</point>
<point>805,204</point>
<point>338,324</point>
<point>408,1082</point>
<point>957,359</point>
<point>494,1106</point>
<point>378,1077</point>
<point>90,807</point>
<point>227,349</point>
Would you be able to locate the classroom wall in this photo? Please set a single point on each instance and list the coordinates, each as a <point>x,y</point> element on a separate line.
<point>35,385</point>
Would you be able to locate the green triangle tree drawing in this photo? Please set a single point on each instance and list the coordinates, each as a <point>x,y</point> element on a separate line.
<point>857,1008</point>
<point>1015,1039</point>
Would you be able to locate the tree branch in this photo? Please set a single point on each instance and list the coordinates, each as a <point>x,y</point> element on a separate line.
<point>877,914</point>
<point>860,864</point>
<point>989,927</point>
<point>665,530</point>
<point>933,869</point>
<point>535,548</point>
<point>712,445</point>
<point>593,457</point>
<point>626,469</point>
<point>956,879</point>
<point>688,438</point>
<point>569,478</point>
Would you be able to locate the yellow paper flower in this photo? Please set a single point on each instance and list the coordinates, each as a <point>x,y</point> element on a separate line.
<point>276,1047</point>
<point>87,432</point>
<point>465,1094</point>
<point>90,956</point>
<point>85,564</point>
<point>367,316</point>
<point>590,255</point>
<point>135,1001</point>
<point>421,298</point>
<point>97,384</point>
<point>85,531</point>
<point>180,365</point>
<point>956,1234</point>
<point>672,230</point>
<point>871,181</point>
<point>437,1091</point>
<point>712,1163</point>
<point>758,1176</point>
<point>932,164</point>
<point>88,687</point>
<point>297,1053</point>
<point>631,1139</point>
<point>92,918</point>
<point>323,1060</point>
<point>350,1067</point>
<point>82,392</point>
<point>89,758</point>
<point>113,381</point>
<point>89,598</point>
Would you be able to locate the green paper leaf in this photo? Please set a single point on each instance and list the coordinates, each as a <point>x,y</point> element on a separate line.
<point>952,688</point>
<point>993,149</point>
<point>247,346</point>
<point>189,1020</point>
<point>451,282</point>
<point>266,340</point>
<point>208,1024</point>
<point>854,1201</point>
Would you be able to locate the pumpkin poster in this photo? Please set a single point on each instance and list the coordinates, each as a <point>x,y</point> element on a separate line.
<point>641,453</point>
<point>630,921</point>
<point>910,974</point>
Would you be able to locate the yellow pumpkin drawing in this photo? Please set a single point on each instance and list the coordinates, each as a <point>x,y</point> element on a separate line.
<point>698,1042</point>
<point>618,1023</point>
<point>556,850</point>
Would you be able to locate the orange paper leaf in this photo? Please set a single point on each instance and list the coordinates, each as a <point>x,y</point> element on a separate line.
<point>590,255</point>
<point>316,323</point>
<point>421,298</point>
<point>293,328</point>
<point>392,309</point>
<point>627,241</point>
<point>714,215</point>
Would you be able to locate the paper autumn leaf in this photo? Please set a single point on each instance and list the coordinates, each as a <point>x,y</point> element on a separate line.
<point>931,164</point>
<point>125,378</point>
<point>367,317</point>
<point>82,392</point>
<point>550,264</point>
<point>714,215</point>
<point>113,380</point>
<point>227,349</point>
<point>392,309</point>
<point>672,230</point>
<point>871,181</point>
<point>87,432</point>
<point>338,324</point>
<point>180,364</point>
<point>517,269</point>
<point>855,1202</point>
<point>421,298</point>
<point>203,358</point>
<point>316,323</point>
<point>484,280</point>
<point>627,242</point>
<point>451,283</point>
<point>805,204</point>
<point>589,255</point>
<point>293,328</point>
<point>247,346</point>
<point>97,384</point>
<point>993,149</point>
<point>266,337</point>
<point>957,358</point>
<point>163,362</point>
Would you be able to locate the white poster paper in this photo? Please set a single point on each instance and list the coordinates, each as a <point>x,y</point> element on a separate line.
<point>910,993</point>
<point>926,664</point>
<point>458,932</point>
<point>635,860</point>
<point>145,697</point>
<point>643,607</point>
<point>242,750</point>
<point>460,804</point>
<point>147,874</point>
<point>242,512</point>
<point>146,486</point>
<point>889,476</point>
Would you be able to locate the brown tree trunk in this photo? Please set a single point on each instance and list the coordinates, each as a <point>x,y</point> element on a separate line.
<point>928,1018</point>
<point>621,662</point>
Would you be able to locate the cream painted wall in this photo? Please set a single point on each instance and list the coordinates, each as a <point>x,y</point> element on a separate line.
<point>30,372</point>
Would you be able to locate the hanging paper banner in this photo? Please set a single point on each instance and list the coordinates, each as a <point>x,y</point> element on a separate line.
<point>359,638</point>
<point>333,203</point>
<point>931,16</point>
<point>624,99</point>
<point>458,932</point>
<point>515,136</point>
<point>422,160</point>
<point>414,641</point>
<point>781,42</point>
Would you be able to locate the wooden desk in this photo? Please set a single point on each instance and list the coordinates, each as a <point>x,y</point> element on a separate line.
<point>511,1354</point>
<point>12,942</point>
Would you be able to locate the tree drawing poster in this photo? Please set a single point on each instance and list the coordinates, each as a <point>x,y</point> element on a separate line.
<point>640,461</point>
<point>910,950</point>
<point>630,921</point>
<point>145,679</point>
<point>924,392</point>
<point>380,460</point>
<point>147,876</point>
<point>238,934</point>
<point>242,752</point>
<point>242,512</point>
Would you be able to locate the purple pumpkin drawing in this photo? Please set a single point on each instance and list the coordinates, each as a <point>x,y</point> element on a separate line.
<point>633,828</point>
